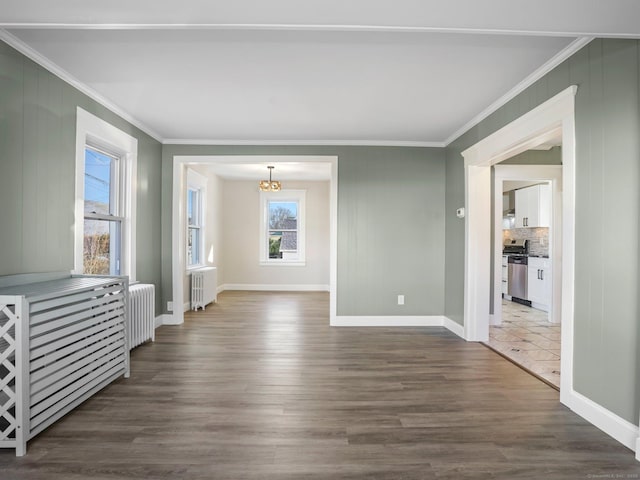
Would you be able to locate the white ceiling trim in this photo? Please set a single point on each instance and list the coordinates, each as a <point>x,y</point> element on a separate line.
<point>361,143</point>
<point>74,82</point>
<point>556,60</point>
<point>308,27</point>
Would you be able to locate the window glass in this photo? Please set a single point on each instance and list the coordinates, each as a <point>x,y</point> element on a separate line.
<point>102,236</point>
<point>98,170</point>
<point>283,230</point>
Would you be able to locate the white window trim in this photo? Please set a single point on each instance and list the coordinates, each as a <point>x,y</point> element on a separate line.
<point>283,196</point>
<point>95,131</point>
<point>196,181</point>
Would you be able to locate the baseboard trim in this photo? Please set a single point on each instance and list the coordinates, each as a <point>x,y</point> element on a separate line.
<point>220,289</point>
<point>169,319</point>
<point>638,449</point>
<point>616,427</point>
<point>186,306</point>
<point>163,319</point>
<point>274,288</point>
<point>453,327</point>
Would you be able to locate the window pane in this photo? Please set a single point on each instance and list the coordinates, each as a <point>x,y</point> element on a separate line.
<point>101,247</point>
<point>193,246</point>
<point>98,169</point>
<point>275,240</point>
<point>283,215</point>
<point>283,244</point>
<point>192,207</point>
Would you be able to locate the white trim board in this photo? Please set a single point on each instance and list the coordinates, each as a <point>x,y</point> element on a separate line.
<point>273,287</point>
<point>398,321</point>
<point>624,432</point>
<point>164,319</point>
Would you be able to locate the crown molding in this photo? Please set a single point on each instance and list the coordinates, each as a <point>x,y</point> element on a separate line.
<point>47,64</point>
<point>309,27</point>
<point>347,143</point>
<point>552,63</point>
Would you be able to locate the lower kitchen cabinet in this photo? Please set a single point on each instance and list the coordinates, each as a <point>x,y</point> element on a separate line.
<point>539,283</point>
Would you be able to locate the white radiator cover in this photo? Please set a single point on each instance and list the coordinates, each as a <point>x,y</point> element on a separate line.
<point>142,314</point>
<point>204,287</point>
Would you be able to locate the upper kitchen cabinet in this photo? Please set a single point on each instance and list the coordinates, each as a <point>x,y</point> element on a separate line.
<point>533,206</point>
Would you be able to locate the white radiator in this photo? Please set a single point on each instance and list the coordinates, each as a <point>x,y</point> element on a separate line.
<point>142,307</point>
<point>204,287</point>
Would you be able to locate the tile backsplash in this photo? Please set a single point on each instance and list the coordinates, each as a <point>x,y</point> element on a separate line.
<point>538,238</point>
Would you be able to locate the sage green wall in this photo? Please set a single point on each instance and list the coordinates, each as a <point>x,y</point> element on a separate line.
<point>37,172</point>
<point>606,338</point>
<point>390,224</point>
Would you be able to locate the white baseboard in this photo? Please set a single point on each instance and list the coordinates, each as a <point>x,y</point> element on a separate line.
<point>220,289</point>
<point>163,319</point>
<point>274,288</point>
<point>453,327</point>
<point>638,449</point>
<point>388,321</point>
<point>186,306</point>
<point>616,427</point>
<point>169,319</point>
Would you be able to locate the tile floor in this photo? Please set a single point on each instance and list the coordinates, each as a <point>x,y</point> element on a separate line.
<point>527,338</point>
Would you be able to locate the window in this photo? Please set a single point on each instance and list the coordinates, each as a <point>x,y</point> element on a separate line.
<point>282,238</point>
<point>103,213</point>
<point>196,195</point>
<point>105,234</point>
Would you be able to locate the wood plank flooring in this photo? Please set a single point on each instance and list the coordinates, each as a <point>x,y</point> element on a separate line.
<point>260,387</point>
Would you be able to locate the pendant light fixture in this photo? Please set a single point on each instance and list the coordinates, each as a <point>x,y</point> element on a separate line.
<point>270,185</point>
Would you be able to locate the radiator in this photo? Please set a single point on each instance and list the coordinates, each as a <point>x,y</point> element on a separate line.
<point>204,286</point>
<point>142,304</point>
<point>65,338</point>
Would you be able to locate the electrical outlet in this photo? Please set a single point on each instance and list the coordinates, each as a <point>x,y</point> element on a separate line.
<point>170,306</point>
<point>400,299</point>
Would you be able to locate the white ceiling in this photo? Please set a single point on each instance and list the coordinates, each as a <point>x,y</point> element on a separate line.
<point>361,72</point>
<point>251,167</point>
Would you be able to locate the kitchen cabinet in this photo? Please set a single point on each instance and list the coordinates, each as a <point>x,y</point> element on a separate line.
<point>533,206</point>
<point>539,283</point>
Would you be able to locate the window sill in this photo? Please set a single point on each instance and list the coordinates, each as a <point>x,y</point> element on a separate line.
<point>281,263</point>
<point>194,267</point>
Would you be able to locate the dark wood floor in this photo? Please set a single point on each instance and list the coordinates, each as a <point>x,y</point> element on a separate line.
<point>260,387</point>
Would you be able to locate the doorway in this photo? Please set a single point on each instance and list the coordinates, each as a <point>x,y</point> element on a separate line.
<point>516,137</point>
<point>180,162</point>
<point>525,327</point>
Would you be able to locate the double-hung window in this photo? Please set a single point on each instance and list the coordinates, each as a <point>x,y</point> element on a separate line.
<point>196,195</point>
<point>282,232</point>
<point>105,208</point>
<point>103,212</point>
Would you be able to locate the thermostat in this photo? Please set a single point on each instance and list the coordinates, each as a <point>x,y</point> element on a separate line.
<point>460,212</point>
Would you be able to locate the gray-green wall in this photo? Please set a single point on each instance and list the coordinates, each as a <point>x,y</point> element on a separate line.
<point>37,172</point>
<point>390,224</point>
<point>606,339</point>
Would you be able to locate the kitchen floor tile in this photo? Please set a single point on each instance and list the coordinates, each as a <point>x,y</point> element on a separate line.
<point>527,338</point>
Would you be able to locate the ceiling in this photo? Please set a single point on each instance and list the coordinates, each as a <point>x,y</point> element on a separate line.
<point>252,167</point>
<point>373,72</point>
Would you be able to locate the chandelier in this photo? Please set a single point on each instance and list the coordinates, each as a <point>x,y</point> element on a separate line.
<point>270,185</point>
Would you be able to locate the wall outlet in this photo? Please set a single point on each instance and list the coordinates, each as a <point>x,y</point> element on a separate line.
<point>170,306</point>
<point>400,299</point>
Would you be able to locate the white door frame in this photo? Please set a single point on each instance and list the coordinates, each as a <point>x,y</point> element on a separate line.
<point>536,173</point>
<point>178,225</point>
<point>514,138</point>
